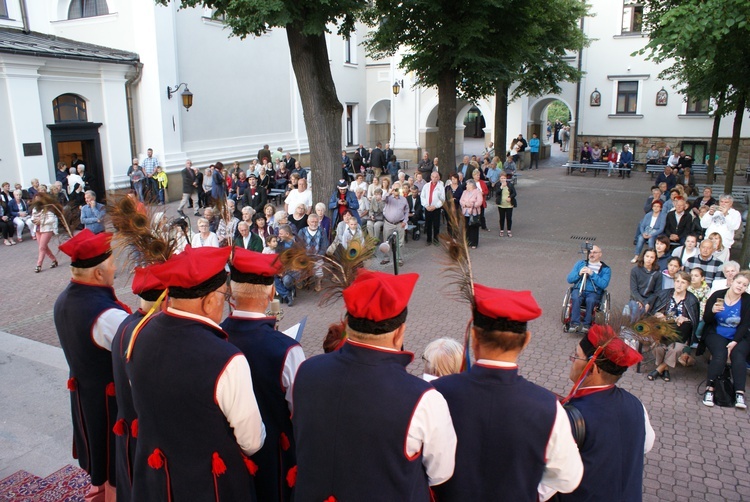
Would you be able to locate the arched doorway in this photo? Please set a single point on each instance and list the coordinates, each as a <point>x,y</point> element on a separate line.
<point>474,123</point>
<point>379,123</point>
<point>75,140</point>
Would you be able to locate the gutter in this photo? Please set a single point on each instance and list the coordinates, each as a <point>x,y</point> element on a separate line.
<point>129,85</point>
<point>25,17</point>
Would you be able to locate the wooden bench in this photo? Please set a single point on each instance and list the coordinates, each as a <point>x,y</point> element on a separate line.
<point>740,193</point>
<point>702,169</point>
<point>277,194</point>
<point>595,166</point>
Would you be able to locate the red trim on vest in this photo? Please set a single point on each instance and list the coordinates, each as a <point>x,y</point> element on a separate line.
<point>72,384</point>
<point>291,477</point>
<point>251,466</point>
<point>134,428</point>
<point>589,390</point>
<point>221,332</point>
<point>330,499</point>
<point>406,436</point>
<point>380,349</point>
<point>119,428</point>
<point>157,460</point>
<point>284,441</point>
<point>110,389</point>
<point>218,377</point>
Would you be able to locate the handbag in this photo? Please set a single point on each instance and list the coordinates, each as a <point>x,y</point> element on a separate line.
<point>474,220</point>
<point>724,389</point>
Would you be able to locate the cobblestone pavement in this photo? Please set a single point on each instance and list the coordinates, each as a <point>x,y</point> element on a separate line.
<point>699,454</point>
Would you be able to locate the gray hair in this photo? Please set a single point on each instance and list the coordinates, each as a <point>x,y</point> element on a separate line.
<point>320,205</point>
<point>726,196</point>
<point>248,209</point>
<point>91,193</point>
<point>472,182</point>
<point>731,264</point>
<point>73,170</point>
<point>443,356</point>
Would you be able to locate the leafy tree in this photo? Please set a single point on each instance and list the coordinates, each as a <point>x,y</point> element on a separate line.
<point>306,23</point>
<point>707,43</point>
<point>474,48</point>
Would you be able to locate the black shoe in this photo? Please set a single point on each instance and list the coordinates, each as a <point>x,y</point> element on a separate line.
<point>427,243</point>
<point>181,213</point>
<point>54,264</point>
<point>653,375</point>
<point>196,213</point>
<point>290,300</point>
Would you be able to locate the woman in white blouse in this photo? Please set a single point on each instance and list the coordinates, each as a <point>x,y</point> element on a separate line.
<point>205,237</point>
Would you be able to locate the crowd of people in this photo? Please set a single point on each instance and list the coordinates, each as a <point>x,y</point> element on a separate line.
<point>682,274</point>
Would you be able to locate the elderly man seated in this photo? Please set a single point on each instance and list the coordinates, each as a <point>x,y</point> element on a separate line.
<point>589,277</point>
<point>705,261</point>
<point>723,220</point>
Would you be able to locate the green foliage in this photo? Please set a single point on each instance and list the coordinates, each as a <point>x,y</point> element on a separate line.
<point>707,43</point>
<point>253,17</point>
<point>484,41</point>
<point>558,110</point>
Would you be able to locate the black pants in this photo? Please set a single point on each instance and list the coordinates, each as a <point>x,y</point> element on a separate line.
<point>472,233</point>
<point>717,344</point>
<point>432,224</point>
<point>506,215</point>
<point>534,160</point>
<point>482,220</point>
<point>7,228</point>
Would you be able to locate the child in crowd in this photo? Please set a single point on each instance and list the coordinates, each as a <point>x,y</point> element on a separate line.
<point>272,242</point>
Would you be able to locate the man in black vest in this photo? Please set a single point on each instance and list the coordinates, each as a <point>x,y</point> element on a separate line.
<point>365,428</point>
<point>274,358</point>
<point>148,288</point>
<point>192,390</point>
<point>87,315</point>
<point>512,434</point>
<point>617,429</point>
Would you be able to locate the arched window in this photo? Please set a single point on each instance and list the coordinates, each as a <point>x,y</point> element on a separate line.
<point>87,8</point>
<point>69,108</point>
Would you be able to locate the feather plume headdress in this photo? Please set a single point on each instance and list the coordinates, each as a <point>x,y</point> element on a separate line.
<point>618,342</point>
<point>458,269</point>
<point>69,216</point>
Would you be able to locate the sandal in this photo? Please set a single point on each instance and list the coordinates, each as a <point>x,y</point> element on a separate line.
<point>54,264</point>
<point>37,269</point>
<point>665,376</point>
<point>653,375</point>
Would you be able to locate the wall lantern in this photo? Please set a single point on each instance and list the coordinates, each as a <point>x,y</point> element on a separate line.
<point>187,96</point>
<point>397,85</point>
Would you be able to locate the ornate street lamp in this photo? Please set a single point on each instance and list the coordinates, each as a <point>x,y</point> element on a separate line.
<point>187,96</point>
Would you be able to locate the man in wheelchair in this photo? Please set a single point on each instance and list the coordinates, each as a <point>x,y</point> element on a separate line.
<point>589,278</point>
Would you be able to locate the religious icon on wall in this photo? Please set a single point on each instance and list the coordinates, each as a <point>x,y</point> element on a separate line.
<point>596,98</point>
<point>662,97</point>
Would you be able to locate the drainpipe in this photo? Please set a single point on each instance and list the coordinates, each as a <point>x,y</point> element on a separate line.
<point>129,85</point>
<point>25,17</point>
<point>578,102</point>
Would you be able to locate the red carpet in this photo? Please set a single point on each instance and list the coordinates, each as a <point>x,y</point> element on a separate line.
<point>69,484</point>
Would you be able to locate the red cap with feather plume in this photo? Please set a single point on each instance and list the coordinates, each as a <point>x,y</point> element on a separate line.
<point>616,356</point>
<point>87,249</point>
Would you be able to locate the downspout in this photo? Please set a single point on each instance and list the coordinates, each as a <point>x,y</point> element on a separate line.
<point>578,101</point>
<point>129,85</point>
<point>25,17</point>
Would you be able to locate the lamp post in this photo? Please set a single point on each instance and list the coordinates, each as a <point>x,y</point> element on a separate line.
<point>187,96</point>
<point>396,88</point>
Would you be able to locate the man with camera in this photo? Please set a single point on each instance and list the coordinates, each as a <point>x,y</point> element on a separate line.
<point>722,219</point>
<point>589,277</point>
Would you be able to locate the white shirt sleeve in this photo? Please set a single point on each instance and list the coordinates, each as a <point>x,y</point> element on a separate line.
<point>564,468</point>
<point>650,435</point>
<point>236,399</point>
<point>733,219</point>
<point>294,358</point>
<point>106,325</point>
<point>706,220</point>
<point>431,432</point>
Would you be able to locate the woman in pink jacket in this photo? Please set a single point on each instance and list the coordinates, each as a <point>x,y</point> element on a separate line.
<point>471,205</point>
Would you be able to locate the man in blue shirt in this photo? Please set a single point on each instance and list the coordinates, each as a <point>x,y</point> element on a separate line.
<point>92,214</point>
<point>534,149</point>
<point>626,161</point>
<point>596,275</point>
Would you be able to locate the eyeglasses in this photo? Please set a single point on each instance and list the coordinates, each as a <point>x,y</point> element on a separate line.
<point>573,358</point>
<point>227,294</point>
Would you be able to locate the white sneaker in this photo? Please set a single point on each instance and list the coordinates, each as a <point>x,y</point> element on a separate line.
<point>739,401</point>
<point>635,259</point>
<point>708,398</point>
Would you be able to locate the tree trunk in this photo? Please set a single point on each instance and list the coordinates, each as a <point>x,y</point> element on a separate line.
<point>446,147</point>
<point>321,108</point>
<point>714,142</point>
<point>735,145</point>
<point>712,149</point>
<point>500,131</point>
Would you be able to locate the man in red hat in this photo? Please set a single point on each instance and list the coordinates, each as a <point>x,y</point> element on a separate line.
<point>617,429</point>
<point>148,288</point>
<point>512,434</point>
<point>192,390</point>
<point>87,315</point>
<point>274,358</point>
<point>365,428</point>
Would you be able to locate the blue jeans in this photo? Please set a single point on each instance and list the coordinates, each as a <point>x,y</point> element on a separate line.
<point>590,298</point>
<point>641,241</point>
<point>285,285</point>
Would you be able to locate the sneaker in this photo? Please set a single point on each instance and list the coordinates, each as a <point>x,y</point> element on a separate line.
<point>739,401</point>
<point>585,330</point>
<point>573,328</point>
<point>708,398</point>
<point>196,213</point>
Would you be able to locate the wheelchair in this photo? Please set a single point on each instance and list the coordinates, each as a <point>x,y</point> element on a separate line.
<point>600,315</point>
